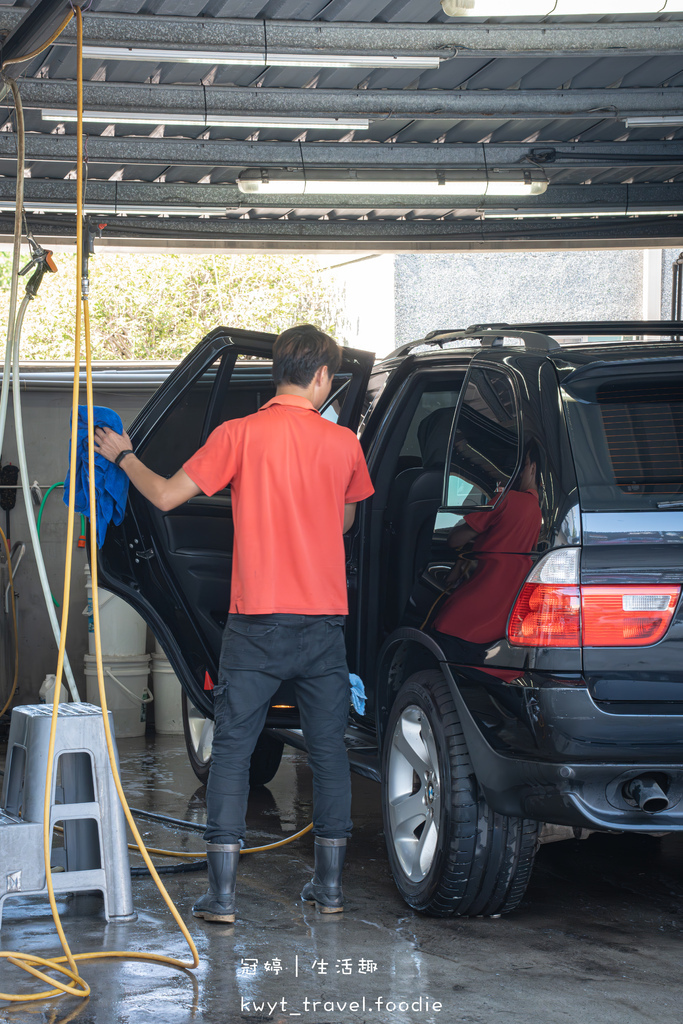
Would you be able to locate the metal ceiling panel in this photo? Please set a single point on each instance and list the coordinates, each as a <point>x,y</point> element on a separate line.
<point>554,73</point>
<point>606,73</point>
<point>502,73</point>
<point>654,71</point>
<point>501,84</point>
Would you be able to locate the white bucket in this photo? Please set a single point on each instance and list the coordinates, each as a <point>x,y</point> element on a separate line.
<point>126,682</point>
<point>122,631</point>
<point>168,710</point>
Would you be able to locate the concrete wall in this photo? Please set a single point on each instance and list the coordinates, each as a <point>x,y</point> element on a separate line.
<point>46,426</point>
<point>456,290</point>
<point>366,290</point>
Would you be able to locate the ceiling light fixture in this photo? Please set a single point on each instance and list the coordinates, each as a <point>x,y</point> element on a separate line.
<point>112,209</point>
<point>655,121</point>
<point>260,58</point>
<point>546,8</point>
<point>212,120</point>
<point>355,187</point>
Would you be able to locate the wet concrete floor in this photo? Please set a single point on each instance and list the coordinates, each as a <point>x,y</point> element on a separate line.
<point>598,937</point>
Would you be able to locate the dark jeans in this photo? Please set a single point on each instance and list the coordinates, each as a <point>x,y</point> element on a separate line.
<point>257,654</point>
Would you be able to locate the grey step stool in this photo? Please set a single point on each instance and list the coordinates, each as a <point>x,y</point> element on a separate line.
<point>83,800</point>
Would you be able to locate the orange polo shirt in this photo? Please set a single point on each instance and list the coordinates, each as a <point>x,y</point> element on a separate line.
<point>290,473</point>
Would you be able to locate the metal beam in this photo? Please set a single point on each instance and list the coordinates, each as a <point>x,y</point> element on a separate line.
<point>485,40</point>
<point>27,30</point>
<point>374,236</point>
<point>130,196</point>
<point>342,155</point>
<point>380,103</point>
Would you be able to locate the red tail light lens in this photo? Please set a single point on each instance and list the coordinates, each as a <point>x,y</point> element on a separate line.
<point>626,616</point>
<point>557,616</point>
<point>552,610</point>
<point>546,616</point>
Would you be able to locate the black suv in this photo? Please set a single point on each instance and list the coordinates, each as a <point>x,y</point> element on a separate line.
<point>514,586</point>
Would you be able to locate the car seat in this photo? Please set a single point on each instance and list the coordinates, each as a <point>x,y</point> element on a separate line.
<point>414,500</point>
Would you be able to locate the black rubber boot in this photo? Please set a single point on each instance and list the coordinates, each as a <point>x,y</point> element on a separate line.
<point>325,889</point>
<point>219,902</point>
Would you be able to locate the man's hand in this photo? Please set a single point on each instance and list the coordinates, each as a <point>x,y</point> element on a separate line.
<point>109,443</point>
<point>165,494</point>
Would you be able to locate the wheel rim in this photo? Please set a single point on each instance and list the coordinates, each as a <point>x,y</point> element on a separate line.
<point>201,734</point>
<point>414,793</point>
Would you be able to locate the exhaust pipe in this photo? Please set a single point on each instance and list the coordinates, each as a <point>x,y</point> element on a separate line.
<point>646,792</point>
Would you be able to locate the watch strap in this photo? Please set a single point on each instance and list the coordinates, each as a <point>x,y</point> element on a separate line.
<point>126,451</point>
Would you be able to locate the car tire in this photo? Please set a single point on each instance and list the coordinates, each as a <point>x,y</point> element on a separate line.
<point>450,853</point>
<point>198,732</point>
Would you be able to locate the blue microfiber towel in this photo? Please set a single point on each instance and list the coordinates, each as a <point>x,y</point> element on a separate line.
<point>357,693</point>
<point>111,483</point>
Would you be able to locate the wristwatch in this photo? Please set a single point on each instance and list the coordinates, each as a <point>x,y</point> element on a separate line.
<point>126,451</point>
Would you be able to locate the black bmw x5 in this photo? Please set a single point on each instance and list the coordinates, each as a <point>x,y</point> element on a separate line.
<point>514,587</point>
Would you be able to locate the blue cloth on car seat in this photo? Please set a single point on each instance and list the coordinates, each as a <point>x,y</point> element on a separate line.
<point>111,483</point>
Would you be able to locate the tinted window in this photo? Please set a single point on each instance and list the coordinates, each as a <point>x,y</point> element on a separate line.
<point>428,433</point>
<point>485,447</point>
<point>179,435</point>
<point>627,438</point>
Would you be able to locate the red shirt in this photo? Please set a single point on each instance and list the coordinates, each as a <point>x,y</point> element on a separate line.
<point>478,609</point>
<point>290,472</point>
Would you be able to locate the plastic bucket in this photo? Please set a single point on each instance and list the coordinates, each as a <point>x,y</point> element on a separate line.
<point>122,631</point>
<point>168,711</point>
<point>126,682</point>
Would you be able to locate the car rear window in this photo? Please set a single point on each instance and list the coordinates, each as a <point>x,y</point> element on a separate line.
<point>627,437</point>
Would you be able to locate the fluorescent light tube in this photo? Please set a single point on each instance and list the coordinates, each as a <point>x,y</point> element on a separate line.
<point>354,187</point>
<point>547,8</point>
<point>259,58</point>
<point>212,120</point>
<point>654,121</point>
<point>111,209</point>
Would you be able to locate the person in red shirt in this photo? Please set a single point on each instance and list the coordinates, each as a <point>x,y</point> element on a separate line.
<point>295,481</point>
<point>502,539</point>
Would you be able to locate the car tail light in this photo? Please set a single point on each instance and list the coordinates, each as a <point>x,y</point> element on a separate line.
<point>553,610</point>
<point>547,612</point>
<point>626,616</point>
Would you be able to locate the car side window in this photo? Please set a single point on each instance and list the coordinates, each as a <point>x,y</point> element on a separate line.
<point>485,445</point>
<point>180,434</point>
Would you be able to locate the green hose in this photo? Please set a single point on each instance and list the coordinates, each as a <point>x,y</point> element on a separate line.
<point>48,492</point>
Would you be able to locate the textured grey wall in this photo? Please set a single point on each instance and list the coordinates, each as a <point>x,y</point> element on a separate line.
<point>668,257</point>
<point>46,428</point>
<point>457,290</point>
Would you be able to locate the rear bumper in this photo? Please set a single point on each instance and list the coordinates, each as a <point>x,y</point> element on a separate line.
<point>581,795</point>
<point>555,755</point>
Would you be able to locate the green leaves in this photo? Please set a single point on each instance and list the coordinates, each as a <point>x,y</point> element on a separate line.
<point>158,307</point>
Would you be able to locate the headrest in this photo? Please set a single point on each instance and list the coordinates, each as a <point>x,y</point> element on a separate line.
<point>432,435</point>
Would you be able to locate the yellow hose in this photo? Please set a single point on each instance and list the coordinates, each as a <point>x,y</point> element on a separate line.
<point>49,42</point>
<point>66,965</point>
<point>202,855</point>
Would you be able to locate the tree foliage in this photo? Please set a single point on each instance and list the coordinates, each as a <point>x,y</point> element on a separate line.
<point>158,307</point>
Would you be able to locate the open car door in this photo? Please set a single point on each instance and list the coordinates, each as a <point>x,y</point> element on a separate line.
<point>174,567</point>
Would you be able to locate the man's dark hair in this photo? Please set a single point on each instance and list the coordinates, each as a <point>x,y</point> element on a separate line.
<point>532,452</point>
<point>300,351</point>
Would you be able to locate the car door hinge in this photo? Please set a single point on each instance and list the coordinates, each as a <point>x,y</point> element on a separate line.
<point>149,553</point>
<point>352,568</point>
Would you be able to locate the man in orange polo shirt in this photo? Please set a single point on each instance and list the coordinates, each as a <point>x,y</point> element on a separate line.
<point>295,480</point>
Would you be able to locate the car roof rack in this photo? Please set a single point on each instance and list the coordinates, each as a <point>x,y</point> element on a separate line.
<point>487,335</point>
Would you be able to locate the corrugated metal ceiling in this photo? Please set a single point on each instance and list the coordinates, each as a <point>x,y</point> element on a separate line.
<point>510,124</point>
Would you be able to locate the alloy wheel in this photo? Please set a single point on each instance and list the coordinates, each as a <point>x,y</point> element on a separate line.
<point>414,791</point>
